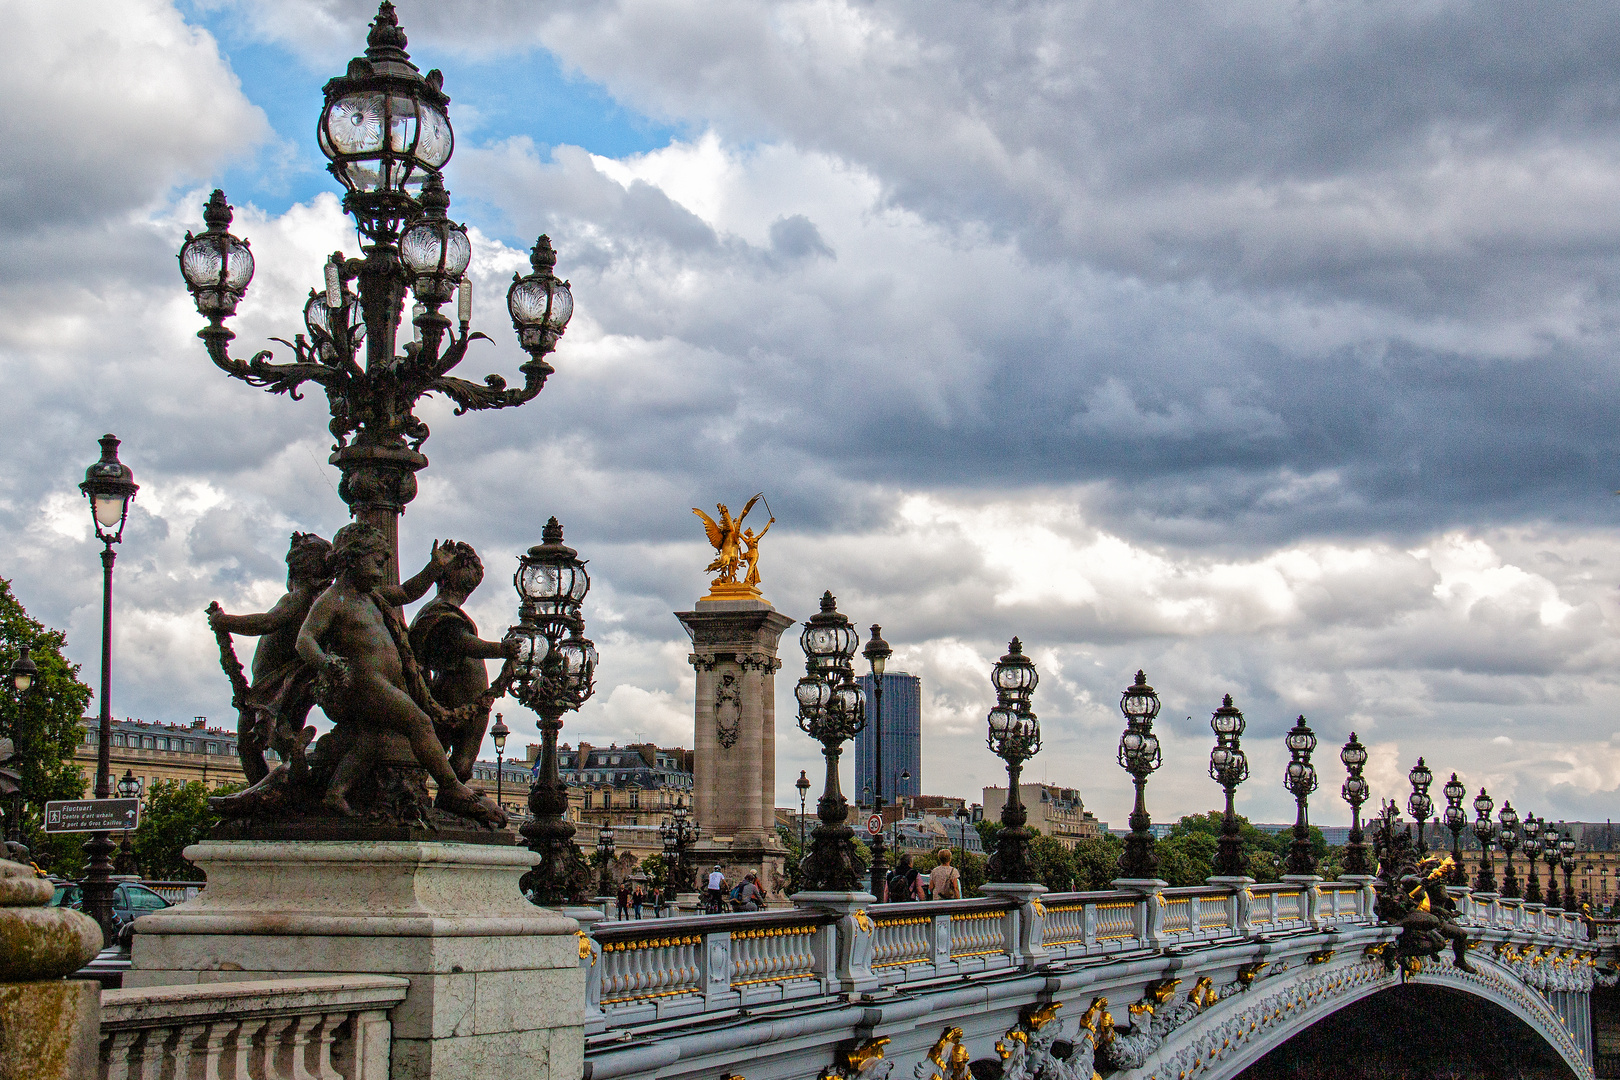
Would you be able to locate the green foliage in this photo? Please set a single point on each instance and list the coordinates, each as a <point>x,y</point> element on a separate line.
<point>174,816</point>
<point>47,726</point>
<point>1186,859</point>
<point>1096,862</point>
<point>1053,863</point>
<point>653,867</point>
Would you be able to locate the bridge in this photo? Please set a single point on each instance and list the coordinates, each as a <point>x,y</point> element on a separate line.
<point>1167,985</point>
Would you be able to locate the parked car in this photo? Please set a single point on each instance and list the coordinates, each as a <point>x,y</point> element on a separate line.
<point>130,900</point>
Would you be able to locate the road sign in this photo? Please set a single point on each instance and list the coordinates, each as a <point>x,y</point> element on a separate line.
<point>874,824</point>
<point>92,815</point>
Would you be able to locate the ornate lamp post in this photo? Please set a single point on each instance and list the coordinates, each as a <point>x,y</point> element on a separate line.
<point>21,676</point>
<point>1551,854</point>
<point>1139,756</point>
<point>498,735</point>
<point>1354,792</point>
<point>1015,737</point>
<point>877,653</point>
<point>1532,853</point>
<point>683,832</point>
<point>1228,767</point>
<point>803,784</point>
<point>963,816</point>
<point>832,710</point>
<point>386,130</point>
<point>129,787</point>
<point>604,859</point>
<point>1456,819</point>
<point>1418,804</point>
<point>554,671</point>
<point>1485,832</point>
<point>1566,858</point>
<point>1508,837</point>
<point>1300,780</point>
<point>109,485</point>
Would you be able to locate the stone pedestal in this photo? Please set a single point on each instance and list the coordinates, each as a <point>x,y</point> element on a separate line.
<point>1239,884</point>
<point>734,739</point>
<point>50,1027</point>
<point>496,987</point>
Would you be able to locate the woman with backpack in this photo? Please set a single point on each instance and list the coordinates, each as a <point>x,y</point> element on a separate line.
<point>904,883</point>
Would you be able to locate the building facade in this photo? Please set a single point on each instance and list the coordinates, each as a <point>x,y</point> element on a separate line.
<point>155,751</point>
<point>902,739</point>
<point>1056,811</point>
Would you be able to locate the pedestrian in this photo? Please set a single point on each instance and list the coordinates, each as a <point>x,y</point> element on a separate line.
<point>904,884</point>
<point>660,902</point>
<point>714,895</point>
<point>624,900</point>
<point>749,896</point>
<point>635,900</point>
<point>945,880</point>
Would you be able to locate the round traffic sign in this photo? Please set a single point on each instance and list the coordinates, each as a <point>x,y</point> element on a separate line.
<point>874,824</point>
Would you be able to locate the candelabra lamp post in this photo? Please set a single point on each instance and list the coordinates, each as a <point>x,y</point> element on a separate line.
<point>1300,780</point>
<point>1015,737</point>
<point>1228,767</point>
<point>129,787</point>
<point>1354,757</point>
<point>1139,756</point>
<point>1418,804</point>
<point>109,485</point>
<point>1566,859</point>
<point>1456,821</point>
<point>1532,854</point>
<point>385,128</point>
<point>832,710</point>
<point>1508,837</point>
<point>1550,853</point>
<point>1485,833</point>
<point>24,672</point>
<point>604,860</point>
<point>877,653</point>
<point>553,672</point>
<point>679,832</point>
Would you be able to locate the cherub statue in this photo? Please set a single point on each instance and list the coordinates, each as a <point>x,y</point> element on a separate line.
<point>445,641</point>
<point>271,712</point>
<point>726,536</point>
<point>366,676</point>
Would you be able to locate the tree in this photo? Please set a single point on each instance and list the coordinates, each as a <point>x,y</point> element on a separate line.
<point>1052,862</point>
<point>1096,862</point>
<point>47,726</point>
<point>175,816</point>
<point>653,867</point>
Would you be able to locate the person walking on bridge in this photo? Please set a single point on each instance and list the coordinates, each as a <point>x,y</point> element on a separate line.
<point>945,880</point>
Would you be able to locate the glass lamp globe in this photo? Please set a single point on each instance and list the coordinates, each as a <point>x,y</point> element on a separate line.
<point>1353,755</point>
<point>540,303</point>
<point>216,265</point>
<point>1301,739</point>
<point>1015,673</point>
<point>1139,702</point>
<point>435,250</point>
<point>1483,805</point>
<point>1227,720</point>
<point>110,485</point>
<point>1355,790</point>
<point>1454,789</point>
<point>23,671</point>
<point>551,578</point>
<point>1509,818</point>
<point>1420,776</point>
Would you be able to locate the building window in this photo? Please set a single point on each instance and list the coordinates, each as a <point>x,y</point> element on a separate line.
<point>587,800</point>
<point>148,743</point>
<point>635,800</point>
<point>213,748</point>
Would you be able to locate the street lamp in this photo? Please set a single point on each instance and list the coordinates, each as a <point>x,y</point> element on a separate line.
<point>877,653</point>
<point>22,676</point>
<point>1354,792</point>
<point>23,670</point>
<point>1456,819</point>
<point>129,787</point>
<point>554,672</point>
<point>1139,756</point>
<point>963,816</point>
<point>1532,854</point>
<point>498,735</point>
<point>803,784</point>
<point>1566,858</point>
<point>1015,737</point>
<point>1300,780</point>
<point>1551,854</point>
<point>109,485</point>
<point>1508,837</point>
<point>1418,804</point>
<point>385,129</point>
<point>678,831</point>
<point>1485,832</point>
<point>1228,767</point>
<point>604,859</point>
<point>832,710</point>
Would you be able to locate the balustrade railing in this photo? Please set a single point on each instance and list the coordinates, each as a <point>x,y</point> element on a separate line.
<point>330,1028</point>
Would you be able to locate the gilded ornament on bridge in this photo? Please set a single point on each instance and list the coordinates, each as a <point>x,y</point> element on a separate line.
<point>863,1061</point>
<point>948,1060</point>
<point>736,552</point>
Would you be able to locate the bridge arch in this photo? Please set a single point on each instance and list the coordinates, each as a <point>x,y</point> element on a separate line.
<point>1240,1030</point>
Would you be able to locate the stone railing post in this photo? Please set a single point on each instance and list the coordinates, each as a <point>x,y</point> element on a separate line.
<point>1240,901</point>
<point>1366,892</point>
<point>1149,909</point>
<point>1025,923</point>
<point>941,931</point>
<point>50,1026</point>
<point>852,962</point>
<point>716,966</point>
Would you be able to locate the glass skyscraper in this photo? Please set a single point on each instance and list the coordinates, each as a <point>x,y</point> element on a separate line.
<point>902,739</point>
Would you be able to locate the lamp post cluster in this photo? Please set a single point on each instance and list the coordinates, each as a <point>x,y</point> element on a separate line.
<point>1456,822</point>
<point>1354,758</point>
<point>832,710</point>
<point>1015,737</point>
<point>1418,804</point>
<point>1139,756</point>
<point>678,832</point>
<point>1532,854</point>
<point>1507,837</point>
<point>1300,779</point>
<point>1228,767</point>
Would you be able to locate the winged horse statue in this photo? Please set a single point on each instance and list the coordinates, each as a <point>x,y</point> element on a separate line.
<point>727,536</point>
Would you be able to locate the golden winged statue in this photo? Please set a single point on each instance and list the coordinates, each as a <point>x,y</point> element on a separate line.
<point>736,552</point>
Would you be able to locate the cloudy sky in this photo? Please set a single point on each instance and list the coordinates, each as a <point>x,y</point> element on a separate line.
<point>1266,346</point>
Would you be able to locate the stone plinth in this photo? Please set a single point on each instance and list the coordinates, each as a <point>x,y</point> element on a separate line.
<point>734,739</point>
<point>496,988</point>
<point>49,1026</point>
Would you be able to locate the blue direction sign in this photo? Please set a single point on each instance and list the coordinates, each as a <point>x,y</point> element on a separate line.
<point>92,815</point>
